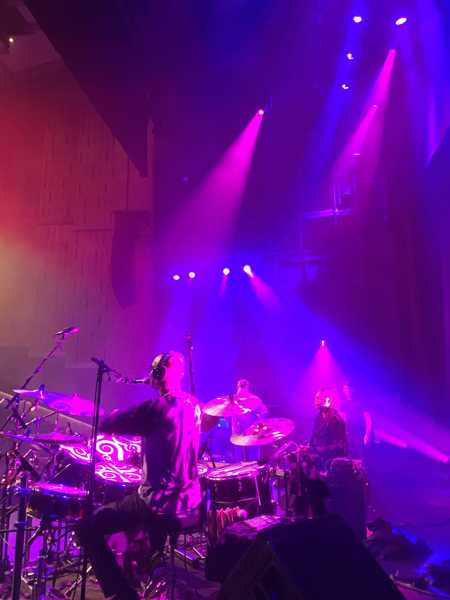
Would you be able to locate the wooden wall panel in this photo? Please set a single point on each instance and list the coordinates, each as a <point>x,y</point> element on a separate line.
<point>63,177</point>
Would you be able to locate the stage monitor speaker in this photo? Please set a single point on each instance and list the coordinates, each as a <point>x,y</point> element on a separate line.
<point>311,559</point>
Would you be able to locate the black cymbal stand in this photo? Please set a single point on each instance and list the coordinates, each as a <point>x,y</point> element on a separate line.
<point>189,349</point>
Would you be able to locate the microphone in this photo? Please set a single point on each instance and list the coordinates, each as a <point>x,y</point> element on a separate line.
<point>145,380</point>
<point>67,331</point>
<point>286,448</point>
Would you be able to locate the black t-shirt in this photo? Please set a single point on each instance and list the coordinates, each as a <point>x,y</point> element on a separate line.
<point>329,436</point>
<point>170,430</point>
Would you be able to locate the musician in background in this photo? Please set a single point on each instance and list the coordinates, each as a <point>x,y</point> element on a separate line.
<point>329,436</point>
<point>358,421</point>
<point>169,427</point>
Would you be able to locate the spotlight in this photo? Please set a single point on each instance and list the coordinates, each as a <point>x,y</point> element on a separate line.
<point>350,56</point>
<point>401,21</point>
<point>261,112</point>
<point>226,271</point>
<point>192,275</point>
<point>357,19</point>
<point>345,86</point>
<point>11,40</point>
<point>176,277</point>
<point>323,343</point>
<point>248,270</point>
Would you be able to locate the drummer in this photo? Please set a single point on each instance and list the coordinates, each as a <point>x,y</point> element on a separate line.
<point>169,426</point>
<point>240,423</point>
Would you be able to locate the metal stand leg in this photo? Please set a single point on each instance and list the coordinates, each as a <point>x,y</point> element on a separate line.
<point>20,539</point>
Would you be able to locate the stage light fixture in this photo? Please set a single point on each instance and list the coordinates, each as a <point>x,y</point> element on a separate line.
<point>323,343</point>
<point>401,21</point>
<point>226,271</point>
<point>11,40</point>
<point>357,19</point>
<point>261,112</point>
<point>345,86</point>
<point>176,277</point>
<point>192,275</point>
<point>248,270</point>
<point>350,56</point>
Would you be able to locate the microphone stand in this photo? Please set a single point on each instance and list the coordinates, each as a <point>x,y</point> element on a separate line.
<point>102,369</point>
<point>15,399</point>
<point>189,348</point>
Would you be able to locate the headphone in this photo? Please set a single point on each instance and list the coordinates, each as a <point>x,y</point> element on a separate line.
<point>159,365</point>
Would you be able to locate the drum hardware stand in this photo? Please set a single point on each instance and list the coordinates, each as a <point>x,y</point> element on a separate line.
<point>20,538</point>
<point>5,513</point>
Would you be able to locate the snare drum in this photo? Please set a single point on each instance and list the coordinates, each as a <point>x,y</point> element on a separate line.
<point>242,484</point>
<point>54,501</point>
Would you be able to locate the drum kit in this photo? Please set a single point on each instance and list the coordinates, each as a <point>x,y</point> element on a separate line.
<point>46,476</point>
<point>45,483</point>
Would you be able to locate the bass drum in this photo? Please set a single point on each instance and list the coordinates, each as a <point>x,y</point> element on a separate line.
<point>245,485</point>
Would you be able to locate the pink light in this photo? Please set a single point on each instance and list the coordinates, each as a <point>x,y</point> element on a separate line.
<point>323,343</point>
<point>357,19</point>
<point>248,270</point>
<point>226,271</point>
<point>176,277</point>
<point>261,112</point>
<point>401,21</point>
<point>350,56</point>
<point>264,292</point>
<point>192,275</point>
<point>345,86</point>
<point>210,213</point>
<point>366,137</point>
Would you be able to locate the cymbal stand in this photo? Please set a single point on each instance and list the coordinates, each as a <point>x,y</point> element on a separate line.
<point>102,369</point>
<point>189,349</point>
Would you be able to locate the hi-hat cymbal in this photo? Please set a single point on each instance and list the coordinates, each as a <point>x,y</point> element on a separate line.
<point>264,432</point>
<point>232,405</point>
<point>69,404</point>
<point>53,437</point>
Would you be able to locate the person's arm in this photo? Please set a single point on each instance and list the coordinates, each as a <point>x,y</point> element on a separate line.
<point>262,411</point>
<point>368,428</point>
<point>137,420</point>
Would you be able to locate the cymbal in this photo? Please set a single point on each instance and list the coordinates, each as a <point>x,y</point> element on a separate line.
<point>53,437</point>
<point>231,405</point>
<point>264,432</point>
<point>71,404</point>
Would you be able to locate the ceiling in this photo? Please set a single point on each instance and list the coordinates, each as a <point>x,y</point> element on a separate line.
<point>27,51</point>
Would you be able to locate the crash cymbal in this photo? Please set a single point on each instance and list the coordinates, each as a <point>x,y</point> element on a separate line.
<point>231,405</point>
<point>53,437</point>
<point>264,432</point>
<point>69,404</point>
